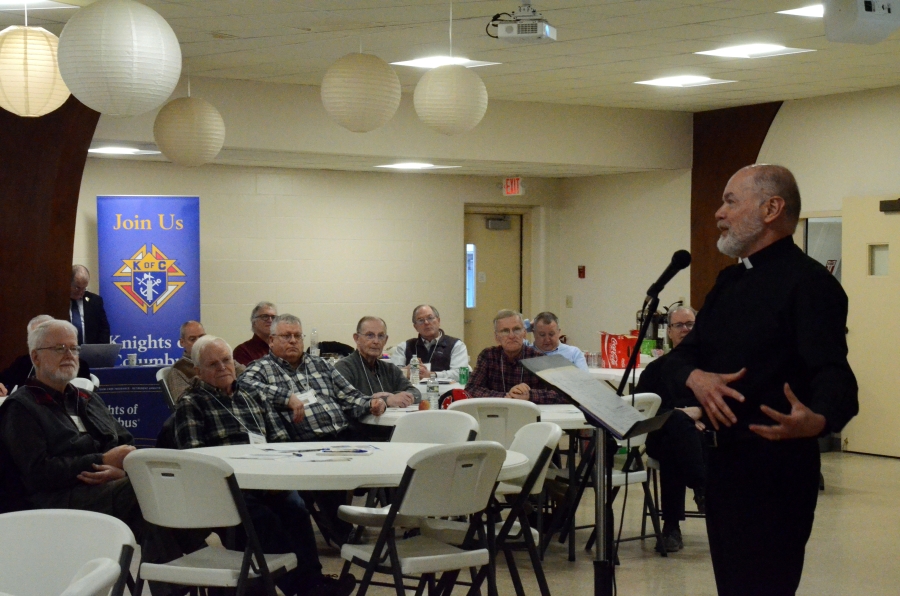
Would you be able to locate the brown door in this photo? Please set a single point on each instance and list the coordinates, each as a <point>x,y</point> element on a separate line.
<point>497,275</point>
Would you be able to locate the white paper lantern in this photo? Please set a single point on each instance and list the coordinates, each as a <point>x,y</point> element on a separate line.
<point>30,84</point>
<point>119,57</point>
<point>361,92</point>
<point>451,99</point>
<point>189,131</point>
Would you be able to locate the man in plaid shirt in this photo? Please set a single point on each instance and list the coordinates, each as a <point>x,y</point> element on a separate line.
<point>215,411</point>
<point>321,401</point>
<point>499,371</point>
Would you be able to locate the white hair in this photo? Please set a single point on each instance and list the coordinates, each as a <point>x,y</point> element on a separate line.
<point>202,343</point>
<point>36,336</point>
<point>38,320</point>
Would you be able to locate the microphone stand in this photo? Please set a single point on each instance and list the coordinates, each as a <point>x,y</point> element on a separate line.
<point>604,557</point>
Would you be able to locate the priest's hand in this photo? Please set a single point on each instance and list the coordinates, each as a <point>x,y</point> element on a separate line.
<point>711,389</point>
<point>801,422</point>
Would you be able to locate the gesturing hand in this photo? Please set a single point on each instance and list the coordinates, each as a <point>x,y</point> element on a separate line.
<point>710,389</point>
<point>801,422</point>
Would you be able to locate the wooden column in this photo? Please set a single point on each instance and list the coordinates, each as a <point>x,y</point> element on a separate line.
<point>41,164</point>
<point>724,141</point>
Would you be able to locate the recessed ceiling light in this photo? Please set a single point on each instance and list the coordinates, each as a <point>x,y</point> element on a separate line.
<point>683,81</point>
<point>816,10</point>
<point>122,151</point>
<point>754,50</point>
<point>413,165</point>
<point>435,61</point>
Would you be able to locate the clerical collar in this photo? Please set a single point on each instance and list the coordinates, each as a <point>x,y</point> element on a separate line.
<point>769,253</point>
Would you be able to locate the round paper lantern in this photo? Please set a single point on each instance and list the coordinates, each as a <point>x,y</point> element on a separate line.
<point>119,57</point>
<point>451,99</point>
<point>189,131</point>
<point>30,84</point>
<point>361,92</point>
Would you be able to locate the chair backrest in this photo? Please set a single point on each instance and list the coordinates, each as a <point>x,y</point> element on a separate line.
<point>449,480</point>
<point>647,404</point>
<point>95,578</point>
<point>181,489</point>
<point>95,380</point>
<point>499,419</point>
<point>43,550</point>
<point>81,383</point>
<point>531,440</point>
<point>435,426</point>
<point>162,377</point>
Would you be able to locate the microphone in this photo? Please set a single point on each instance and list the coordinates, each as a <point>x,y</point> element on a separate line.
<point>680,260</point>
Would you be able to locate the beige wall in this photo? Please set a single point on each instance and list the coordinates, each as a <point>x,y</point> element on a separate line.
<point>623,229</point>
<point>326,246</point>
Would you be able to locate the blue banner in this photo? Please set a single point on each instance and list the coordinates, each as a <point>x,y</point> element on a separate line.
<point>149,251</point>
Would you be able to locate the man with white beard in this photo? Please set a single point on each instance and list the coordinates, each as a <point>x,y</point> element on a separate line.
<point>767,360</point>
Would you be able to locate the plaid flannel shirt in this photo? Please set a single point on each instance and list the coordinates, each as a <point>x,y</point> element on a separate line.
<point>495,375</point>
<point>337,400</point>
<point>209,417</point>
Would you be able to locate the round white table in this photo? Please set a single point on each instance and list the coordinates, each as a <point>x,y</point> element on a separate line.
<point>568,417</point>
<point>384,467</point>
<point>614,374</point>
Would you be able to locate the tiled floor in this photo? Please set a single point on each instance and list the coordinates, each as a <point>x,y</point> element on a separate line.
<point>853,550</point>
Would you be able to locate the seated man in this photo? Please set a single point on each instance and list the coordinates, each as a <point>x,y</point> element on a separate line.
<point>678,445</point>
<point>321,401</point>
<point>257,346</point>
<point>443,354</point>
<point>64,446</point>
<point>366,371</point>
<point>183,371</point>
<point>499,372</point>
<point>22,368</point>
<point>546,331</point>
<point>214,411</point>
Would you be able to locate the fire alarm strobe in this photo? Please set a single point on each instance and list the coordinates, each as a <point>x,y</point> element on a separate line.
<point>525,24</point>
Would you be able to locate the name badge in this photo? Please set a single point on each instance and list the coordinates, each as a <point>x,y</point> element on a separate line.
<point>308,397</point>
<point>78,423</point>
<point>256,439</point>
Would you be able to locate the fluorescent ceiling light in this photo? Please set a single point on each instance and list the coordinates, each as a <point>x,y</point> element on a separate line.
<point>435,61</point>
<point>816,10</point>
<point>122,151</point>
<point>412,165</point>
<point>683,81</point>
<point>33,5</point>
<point>754,50</point>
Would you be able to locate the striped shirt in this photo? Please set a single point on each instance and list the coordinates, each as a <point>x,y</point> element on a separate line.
<point>208,417</point>
<point>337,403</point>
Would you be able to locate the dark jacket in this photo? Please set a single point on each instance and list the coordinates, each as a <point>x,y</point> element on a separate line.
<point>96,326</point>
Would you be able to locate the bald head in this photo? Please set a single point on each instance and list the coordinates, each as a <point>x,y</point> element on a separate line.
<point>777,181</point>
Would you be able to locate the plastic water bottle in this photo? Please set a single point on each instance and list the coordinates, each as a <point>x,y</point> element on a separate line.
<point>433,392</point>
<point>414,370</point>
<point>314,343</point>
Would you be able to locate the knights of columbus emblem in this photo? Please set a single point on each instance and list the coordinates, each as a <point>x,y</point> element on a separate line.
<point>150,276</point>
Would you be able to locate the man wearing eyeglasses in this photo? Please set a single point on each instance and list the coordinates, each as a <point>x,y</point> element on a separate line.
<point>366,371</point>
<point>443,354</point>
<point>65,446</point>
<point>499,371</point>
<point>678,445</point>
<point>261,323</point>
<point>322,403</point>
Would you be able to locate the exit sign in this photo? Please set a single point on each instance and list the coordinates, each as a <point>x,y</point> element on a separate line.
<point>512,187</point>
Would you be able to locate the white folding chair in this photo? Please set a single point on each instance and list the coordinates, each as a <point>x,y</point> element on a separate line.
<point>81,383</point>
<point>538,441</point>
<point>441,427</point>
<point>445,480</point>
<point>44,552</point>
<point>499,419</point>
<point>180,489</point>
<point>95,380</point>
<point>162,377</point>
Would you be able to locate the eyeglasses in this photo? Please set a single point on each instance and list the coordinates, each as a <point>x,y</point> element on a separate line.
<point>679,326</point>
<point>62,349</point>
<point>269,318</point>
<point>429,319</point>
<point>372,336</point>
<point>292,336</point>
<point>513,331</point>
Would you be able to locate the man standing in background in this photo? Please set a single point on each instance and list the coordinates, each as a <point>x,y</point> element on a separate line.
<point>86,310</point>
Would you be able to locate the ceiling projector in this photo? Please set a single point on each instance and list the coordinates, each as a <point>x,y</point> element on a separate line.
<point>525,24</point>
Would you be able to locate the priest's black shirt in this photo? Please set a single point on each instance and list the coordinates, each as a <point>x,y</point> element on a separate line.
<point>783,318</point>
